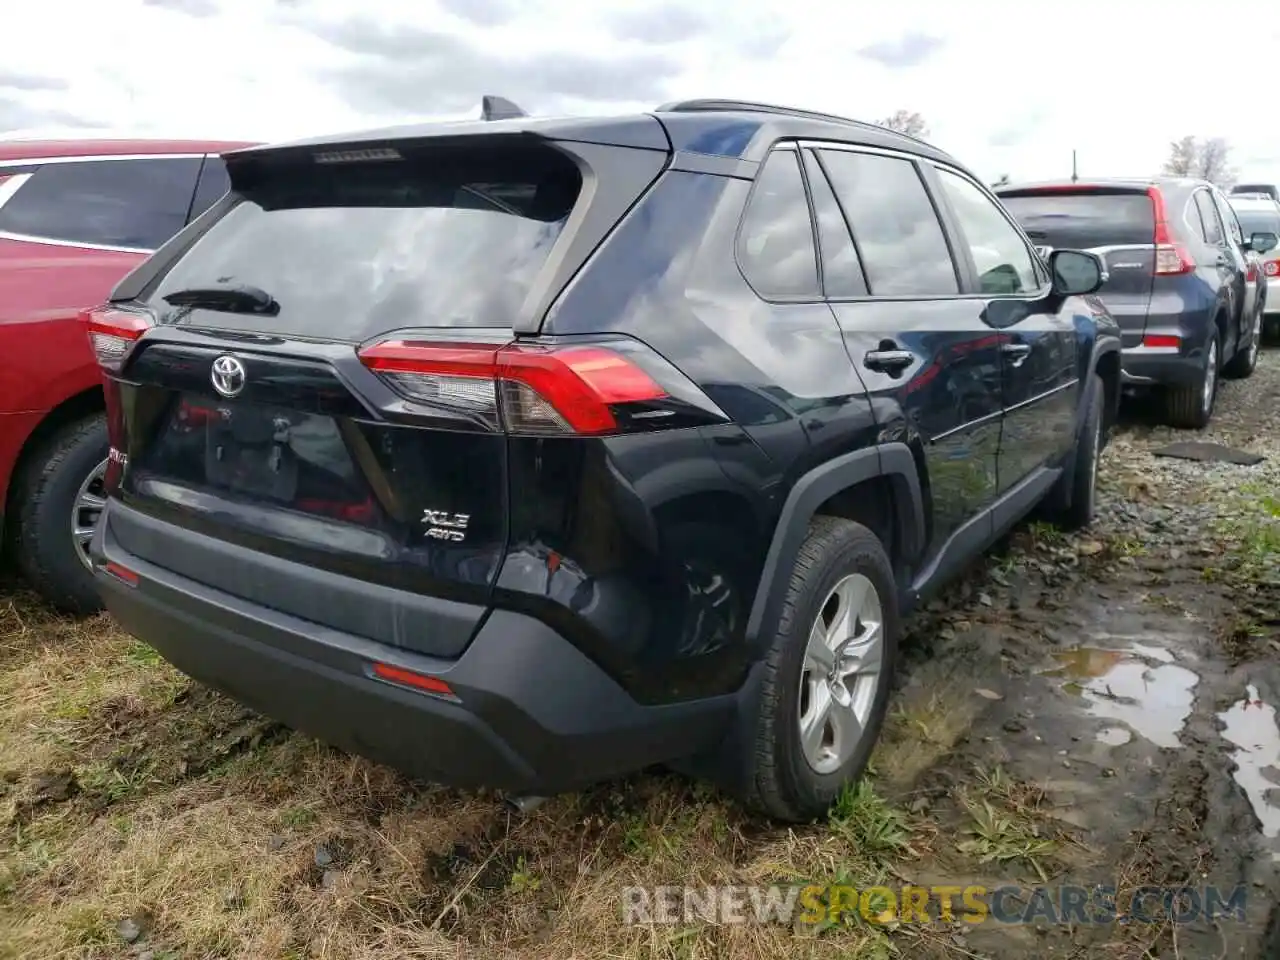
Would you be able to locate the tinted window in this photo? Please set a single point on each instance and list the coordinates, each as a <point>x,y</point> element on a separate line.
<point>1229,218</point>
<point>212,187</point>
<point>903,249</point>
<point>1211,224</point>
<point>776,243</point>
<point>115,203</point>
<point>1259,220</point>
<point>1004,263</point>
<point>1083,220</point>
<point>841,271</point>
<point>352,250</point>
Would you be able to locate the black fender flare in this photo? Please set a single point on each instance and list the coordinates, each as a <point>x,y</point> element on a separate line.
<point>892,460</point>
<point>1101,348</point>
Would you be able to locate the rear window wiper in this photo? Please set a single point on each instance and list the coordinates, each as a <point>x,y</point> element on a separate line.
<point>231,299</point>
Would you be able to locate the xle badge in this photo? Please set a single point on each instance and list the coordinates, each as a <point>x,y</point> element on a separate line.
<point>442,525</point>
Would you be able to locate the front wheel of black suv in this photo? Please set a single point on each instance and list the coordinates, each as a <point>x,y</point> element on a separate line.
<point>828,674</point>
<point>1191,407</point>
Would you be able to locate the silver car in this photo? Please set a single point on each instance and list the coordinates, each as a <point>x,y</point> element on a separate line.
<point>1259,213</point>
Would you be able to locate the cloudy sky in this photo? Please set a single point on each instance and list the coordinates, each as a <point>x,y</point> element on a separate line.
<point>1007,87</point>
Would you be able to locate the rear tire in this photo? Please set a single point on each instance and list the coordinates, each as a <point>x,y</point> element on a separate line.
<point>1191,407</point>
<point>842,567</point>
<point>52,481</point>
<point>1245,361</point>
<point>1074,498</point>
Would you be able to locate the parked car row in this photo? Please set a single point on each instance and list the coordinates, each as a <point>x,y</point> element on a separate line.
<point>1186,282</point>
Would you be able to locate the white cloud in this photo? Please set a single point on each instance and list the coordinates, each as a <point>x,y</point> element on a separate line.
<point>1005,87</point>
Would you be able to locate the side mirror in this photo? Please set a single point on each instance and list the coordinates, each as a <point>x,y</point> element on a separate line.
<point>1262,242</point>
<point>1076,273</point>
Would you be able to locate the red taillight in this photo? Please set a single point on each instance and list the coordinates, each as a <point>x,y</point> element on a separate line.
<point>1171,257</point>
<point>411,678</point>
<point>112,332</point>
<point>1161,341</point>
<point>526,389</point>
<point>1271,268</point>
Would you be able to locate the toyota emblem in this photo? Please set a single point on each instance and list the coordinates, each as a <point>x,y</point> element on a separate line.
<point>228,376</point>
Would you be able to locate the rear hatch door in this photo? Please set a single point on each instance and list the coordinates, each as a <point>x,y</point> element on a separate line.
<point>248,414</point>
<point>1117,223</point>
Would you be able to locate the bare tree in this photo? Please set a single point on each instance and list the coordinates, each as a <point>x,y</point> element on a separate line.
<point>906,121</point>
<point>1207,159</point>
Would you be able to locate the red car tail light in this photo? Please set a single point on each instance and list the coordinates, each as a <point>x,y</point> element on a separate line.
<point>524,389</point>
<point>1161,341</point>
<point>112,332</point>
<point>1172,257</point>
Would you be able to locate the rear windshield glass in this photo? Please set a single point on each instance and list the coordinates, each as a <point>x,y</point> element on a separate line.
<point>350,250</point>
<point>1258,221</point>
<point>1084,219</point>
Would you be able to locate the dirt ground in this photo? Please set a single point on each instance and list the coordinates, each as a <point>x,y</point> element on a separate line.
<point>1087,710</point>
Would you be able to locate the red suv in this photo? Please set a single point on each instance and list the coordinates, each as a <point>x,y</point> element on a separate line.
<point>75,217</point>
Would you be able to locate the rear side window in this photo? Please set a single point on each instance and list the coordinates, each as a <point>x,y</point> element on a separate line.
<point>841,271</point>
<point>212,186</point>
<point>1210,221</point>
<point>1228,217</point>
<point>352,250</point>
<point>1084,220</point>
<point>903,248</point>
<point>775,245</point>
<point>137,204</point>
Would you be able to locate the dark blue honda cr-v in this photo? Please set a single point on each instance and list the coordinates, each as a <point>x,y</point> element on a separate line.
<point>1181,282</point>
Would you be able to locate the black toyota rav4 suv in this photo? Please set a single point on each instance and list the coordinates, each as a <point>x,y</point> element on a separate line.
<point>525,453</point>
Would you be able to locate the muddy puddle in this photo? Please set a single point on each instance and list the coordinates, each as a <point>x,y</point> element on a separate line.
<point>1249,725</point>
<point>1139,689</point>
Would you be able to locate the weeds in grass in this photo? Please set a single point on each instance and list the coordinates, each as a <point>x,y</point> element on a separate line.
<point>1005,823</point>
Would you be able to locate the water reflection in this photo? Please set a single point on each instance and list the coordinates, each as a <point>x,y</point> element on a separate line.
<point>1250,726</point>
<point>1153,699</point>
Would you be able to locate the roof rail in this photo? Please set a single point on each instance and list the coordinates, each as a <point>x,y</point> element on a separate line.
<point>751,106</point>
<point>498,108</point>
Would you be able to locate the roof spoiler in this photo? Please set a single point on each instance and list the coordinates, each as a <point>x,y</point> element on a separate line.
<point>499,108</point>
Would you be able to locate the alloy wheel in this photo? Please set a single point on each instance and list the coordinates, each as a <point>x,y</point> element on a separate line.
<point>90,499</point>
<point>1210,377</point>
<point>841,673</point>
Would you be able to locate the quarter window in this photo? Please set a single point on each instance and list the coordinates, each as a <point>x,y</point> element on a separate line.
<point>776,247</point>
<point>1004,263</point>
<point>115,203</point>
<point>901,243</point>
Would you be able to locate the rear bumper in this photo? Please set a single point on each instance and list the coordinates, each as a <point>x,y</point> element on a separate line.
<point>532,714</point>
<point>1146,366</point>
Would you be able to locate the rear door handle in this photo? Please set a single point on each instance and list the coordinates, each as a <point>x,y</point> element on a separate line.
<point>1017,352</point>
<point>892,362</point>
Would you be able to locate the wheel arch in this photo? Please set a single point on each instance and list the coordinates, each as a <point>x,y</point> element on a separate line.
<point>75,407</point>
<point>887,472</point>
